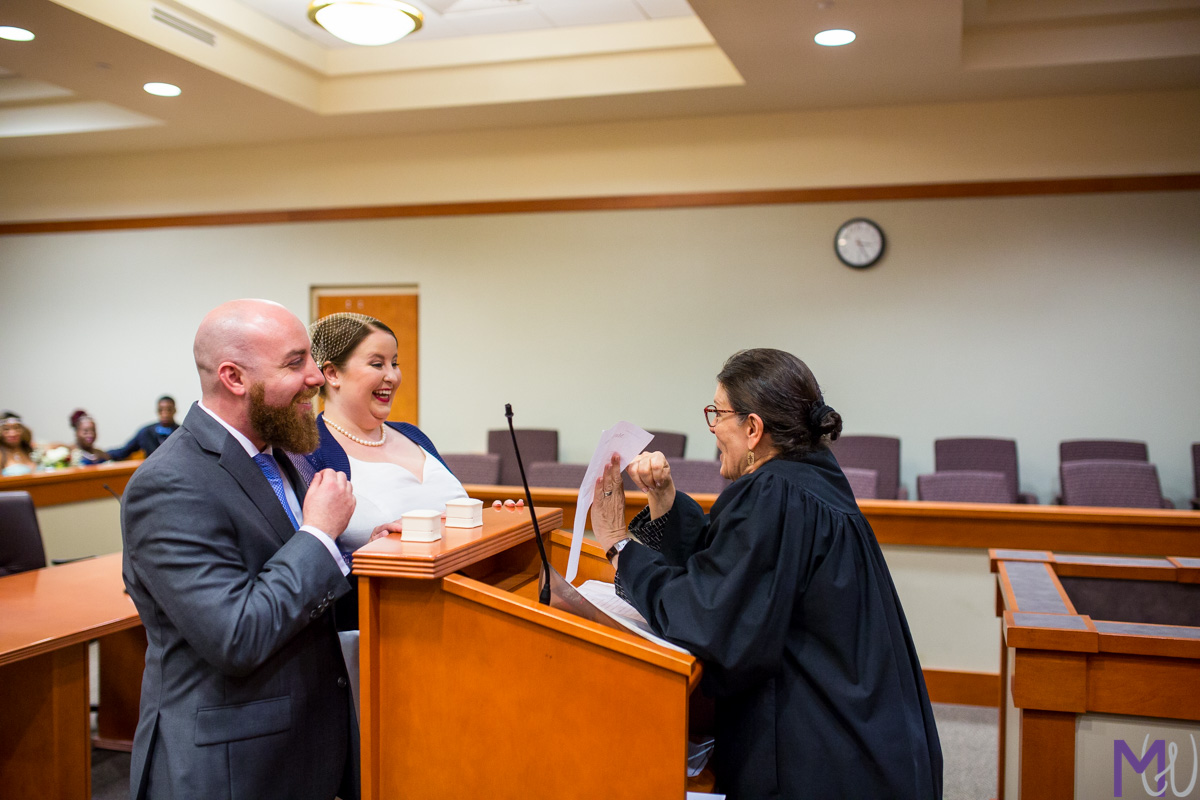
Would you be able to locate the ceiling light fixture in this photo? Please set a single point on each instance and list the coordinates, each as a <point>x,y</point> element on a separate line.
<point>834,38</point>
<point>163,89</point>
<point>366,22</point>
<point>15,34</point>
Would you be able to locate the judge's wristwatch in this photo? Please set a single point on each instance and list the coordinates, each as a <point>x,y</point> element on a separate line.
<point>616,549</point>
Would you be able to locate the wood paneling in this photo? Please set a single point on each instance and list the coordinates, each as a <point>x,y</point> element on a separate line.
<point>1050,680</point>
<point>750,197</point>
<point>963,688</point>
<point>465,684</point>
<point>1047,756</point>
<point>1125,531</point>
<point>458,548</point>
<point>45,733</point>
<point>73,484</point>
<point>122,661</point>
<point>48,609</point>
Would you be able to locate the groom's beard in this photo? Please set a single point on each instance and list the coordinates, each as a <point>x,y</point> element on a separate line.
<point>284,426</point>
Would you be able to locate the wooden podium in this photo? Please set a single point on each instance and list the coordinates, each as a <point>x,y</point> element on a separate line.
<point>470,688</point>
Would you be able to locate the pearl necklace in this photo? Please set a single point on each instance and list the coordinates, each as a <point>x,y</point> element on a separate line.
<point>353,438</point>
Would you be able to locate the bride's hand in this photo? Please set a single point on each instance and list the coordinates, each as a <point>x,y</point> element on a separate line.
<point>385,529</point>
<point>511,505</point>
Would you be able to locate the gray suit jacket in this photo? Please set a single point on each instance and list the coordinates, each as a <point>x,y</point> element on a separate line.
<point>245,692</point>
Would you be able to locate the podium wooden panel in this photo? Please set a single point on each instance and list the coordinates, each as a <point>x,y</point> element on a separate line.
<point>49,617</point>
<point>470,688</point>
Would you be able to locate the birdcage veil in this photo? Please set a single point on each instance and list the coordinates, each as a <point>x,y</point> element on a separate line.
<point>331,335</point>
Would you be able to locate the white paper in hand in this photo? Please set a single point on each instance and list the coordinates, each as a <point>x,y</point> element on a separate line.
<point>626,440</point>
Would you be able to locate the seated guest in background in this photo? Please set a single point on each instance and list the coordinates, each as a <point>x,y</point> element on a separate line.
<point>17,456</point>
<point>393,466</point>
<point>150,437</point>
<point>85,451</point>
<point>783,592</point>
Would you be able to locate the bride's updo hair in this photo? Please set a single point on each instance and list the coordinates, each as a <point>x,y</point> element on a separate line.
<point>334,337</point>
<point>782,390</point>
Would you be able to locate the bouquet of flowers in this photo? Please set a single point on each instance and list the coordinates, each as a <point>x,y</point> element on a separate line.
<point>56,458</point>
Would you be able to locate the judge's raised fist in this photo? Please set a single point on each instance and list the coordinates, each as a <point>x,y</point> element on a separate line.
<point>651,474</point>
<point>329,502</point>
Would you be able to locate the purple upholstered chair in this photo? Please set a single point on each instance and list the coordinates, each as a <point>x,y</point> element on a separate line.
<point>698,476</point>
<point>981,454</point>
<point>1111,482</point>
<point>1106,449</point>
<point>863,482</point>
<point>965,486</point>
<point>880,453</point>
<point>556,474</point>
<point>670,444</point>
<point>20,536</point>
<point>1196,474</point>
<point>536,445</point>
<point>483,468</point>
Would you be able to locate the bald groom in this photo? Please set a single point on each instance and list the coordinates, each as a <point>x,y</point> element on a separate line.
<point>234,570</point>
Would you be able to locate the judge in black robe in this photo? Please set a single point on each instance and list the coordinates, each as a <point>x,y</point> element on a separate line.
<point>783,593</point>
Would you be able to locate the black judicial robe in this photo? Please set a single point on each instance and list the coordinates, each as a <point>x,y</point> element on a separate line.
<point>783,593</point>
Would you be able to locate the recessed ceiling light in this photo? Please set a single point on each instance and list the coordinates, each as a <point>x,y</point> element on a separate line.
<point>15,34</point>
<point>163,89</point>
<point>834,38</point>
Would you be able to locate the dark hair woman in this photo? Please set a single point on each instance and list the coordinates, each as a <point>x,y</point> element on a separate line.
<point>783,592</point>
<point>84,451</point>
<point>16,446</point>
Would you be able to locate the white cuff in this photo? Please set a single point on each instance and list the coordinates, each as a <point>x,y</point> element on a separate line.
<point>330,545</point>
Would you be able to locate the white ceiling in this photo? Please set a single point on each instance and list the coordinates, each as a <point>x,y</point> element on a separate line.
<point>266,74</point>
<point>450,18</point>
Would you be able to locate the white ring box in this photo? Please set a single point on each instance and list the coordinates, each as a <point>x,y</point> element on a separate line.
<point>464,513</point>
<point>421,525</point>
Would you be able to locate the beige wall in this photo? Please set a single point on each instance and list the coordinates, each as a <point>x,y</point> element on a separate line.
<point>1037,318</point>
<point>1042,138</point>
<point>79,530</point>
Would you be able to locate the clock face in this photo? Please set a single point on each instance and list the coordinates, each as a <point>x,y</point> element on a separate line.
<point>859,243</point>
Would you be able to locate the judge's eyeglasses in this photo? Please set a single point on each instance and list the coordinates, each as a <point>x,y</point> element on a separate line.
<point>712,414</point>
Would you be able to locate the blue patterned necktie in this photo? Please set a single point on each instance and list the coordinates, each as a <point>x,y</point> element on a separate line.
<point>271,470</point>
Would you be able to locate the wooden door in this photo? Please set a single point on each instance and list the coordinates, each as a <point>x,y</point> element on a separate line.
<point>396,308</point>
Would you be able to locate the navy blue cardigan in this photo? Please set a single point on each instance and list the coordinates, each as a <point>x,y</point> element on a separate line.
<point>330,455</point>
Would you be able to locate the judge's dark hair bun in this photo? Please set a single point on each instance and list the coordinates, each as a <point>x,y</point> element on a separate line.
<point>78,415</point>
<point>782,390</point>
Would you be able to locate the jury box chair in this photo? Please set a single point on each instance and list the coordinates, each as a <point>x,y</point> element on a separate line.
<point>863,482</point>
<point>965,486</point>
<point>483,468</point>
<point>879,453</point>
<point>536,445</point>
<point>1196,474</point>
<point>982,454</point>
<point>1106,449</point>
<point>556,474</point>
<point>670,444</point>
<point>1112,482</point>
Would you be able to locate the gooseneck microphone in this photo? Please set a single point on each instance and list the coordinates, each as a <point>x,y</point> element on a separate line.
<point>544,592</point>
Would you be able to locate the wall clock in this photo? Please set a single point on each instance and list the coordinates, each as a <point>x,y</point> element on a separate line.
<point>859,243</point>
